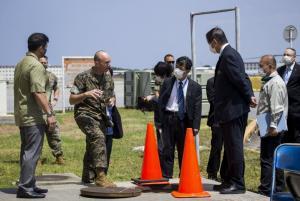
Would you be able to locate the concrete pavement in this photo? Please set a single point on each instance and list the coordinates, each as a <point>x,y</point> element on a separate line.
<point>68,189</point>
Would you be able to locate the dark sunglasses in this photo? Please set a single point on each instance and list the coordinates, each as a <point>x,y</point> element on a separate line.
<point>170,62</point>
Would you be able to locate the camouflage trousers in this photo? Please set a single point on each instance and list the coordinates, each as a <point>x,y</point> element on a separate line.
<point>95,152</point>
<point>54,141</point>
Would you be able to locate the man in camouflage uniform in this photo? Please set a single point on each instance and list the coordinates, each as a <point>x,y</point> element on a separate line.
<point>53,138</point>
<point>93,90</point>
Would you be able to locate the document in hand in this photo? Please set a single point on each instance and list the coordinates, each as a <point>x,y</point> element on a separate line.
<point>263,121</point>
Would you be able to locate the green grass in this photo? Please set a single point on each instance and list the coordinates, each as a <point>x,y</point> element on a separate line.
<point>125,163</point>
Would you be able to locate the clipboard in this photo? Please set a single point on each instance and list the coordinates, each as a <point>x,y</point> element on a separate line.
<point>263,121</point>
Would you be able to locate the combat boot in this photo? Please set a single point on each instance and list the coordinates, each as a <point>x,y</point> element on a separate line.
<point>59,160</point>
<point>102,181</point>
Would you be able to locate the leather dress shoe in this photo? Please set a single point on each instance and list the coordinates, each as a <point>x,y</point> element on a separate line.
<point>29,194</point>
<point>40,190</point>
<point>232,189</point>
<point>220,186</point>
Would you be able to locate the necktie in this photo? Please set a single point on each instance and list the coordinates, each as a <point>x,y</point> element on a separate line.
<point>180,99</point>
<point>287,74</point>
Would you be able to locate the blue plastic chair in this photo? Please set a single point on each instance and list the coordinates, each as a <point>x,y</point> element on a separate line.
<point>286,157</point>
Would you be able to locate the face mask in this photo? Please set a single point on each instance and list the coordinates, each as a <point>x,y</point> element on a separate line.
<point>287,60</point>
<point>213,50</point>
<point>158,79</point>
<point>178,73</point>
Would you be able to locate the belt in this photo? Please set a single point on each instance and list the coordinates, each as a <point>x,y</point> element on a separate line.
<point>171,112</point>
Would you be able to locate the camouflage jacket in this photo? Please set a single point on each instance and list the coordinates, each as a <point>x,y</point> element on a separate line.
<point>87,81</point>
<point>52,84</point>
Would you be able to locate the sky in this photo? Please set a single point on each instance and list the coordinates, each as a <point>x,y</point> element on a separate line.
<point>138,33</point>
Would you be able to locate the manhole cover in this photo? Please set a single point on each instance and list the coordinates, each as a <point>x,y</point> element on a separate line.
<point>115,192</point>
<point>52,178</point>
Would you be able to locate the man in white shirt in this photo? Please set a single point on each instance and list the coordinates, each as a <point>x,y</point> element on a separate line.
<point>180,108</point>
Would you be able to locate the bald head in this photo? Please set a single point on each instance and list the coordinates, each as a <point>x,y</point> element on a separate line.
<point>102,61</point>
<point>100,55</point>
<point>269,60</point>
<point>268,64</point>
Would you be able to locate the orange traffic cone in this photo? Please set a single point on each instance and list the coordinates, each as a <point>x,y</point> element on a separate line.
<point>151,171</point>
<point>190,184</point>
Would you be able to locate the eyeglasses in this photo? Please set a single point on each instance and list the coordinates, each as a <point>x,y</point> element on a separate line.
<point>170,62</point>
<point>287,55</point>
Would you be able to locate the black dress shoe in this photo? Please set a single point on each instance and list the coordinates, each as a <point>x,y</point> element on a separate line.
<point>40,190</point>
<point>29,194</point>
<point>220,186</point>
<point>232,190</point>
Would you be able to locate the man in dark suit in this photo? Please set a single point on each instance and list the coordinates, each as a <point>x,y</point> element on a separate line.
<point>213,164</point>
<point>233,95</point>
<point>179,108</point>
<point>290,73</point>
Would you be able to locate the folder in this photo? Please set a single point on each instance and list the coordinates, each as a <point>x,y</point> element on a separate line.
<point>263,121</point>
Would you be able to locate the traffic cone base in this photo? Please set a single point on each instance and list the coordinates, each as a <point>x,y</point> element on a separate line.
<point>151,171</point>
<point>203,194</point>
<point>142,182</point>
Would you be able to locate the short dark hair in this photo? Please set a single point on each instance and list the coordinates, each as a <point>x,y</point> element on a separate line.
<point>45,57</point>
<point>289,48</point>
<point>37,40</point>
<point>217,34</point>
<point>185,62</point>
<point>163,69</point>
<point>168,55</point>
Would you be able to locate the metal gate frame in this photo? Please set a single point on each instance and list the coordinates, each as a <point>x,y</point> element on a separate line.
<point>193,48</point>
<point>193,35</point>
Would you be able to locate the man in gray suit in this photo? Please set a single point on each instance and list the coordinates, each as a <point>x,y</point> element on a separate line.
<point>30,101</point>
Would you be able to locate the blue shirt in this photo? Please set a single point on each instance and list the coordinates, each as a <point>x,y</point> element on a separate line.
<point>288,72</point>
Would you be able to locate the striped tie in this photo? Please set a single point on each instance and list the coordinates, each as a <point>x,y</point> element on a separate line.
<point>180,98</point>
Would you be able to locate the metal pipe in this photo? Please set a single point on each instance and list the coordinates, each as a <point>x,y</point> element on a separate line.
<point>193,46</point>
<point>63,84</point>
<point>237,29</point>
<point>214,11</point>
<point>290,37</point>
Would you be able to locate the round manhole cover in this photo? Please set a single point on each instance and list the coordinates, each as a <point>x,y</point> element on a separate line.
<point>115,192</point>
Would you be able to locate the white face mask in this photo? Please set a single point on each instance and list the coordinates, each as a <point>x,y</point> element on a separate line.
<point>287,60</point>
<point>178,73</point>
<point>213,50</point>
<point>159,79</point>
